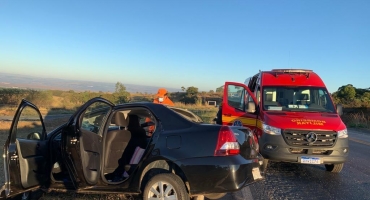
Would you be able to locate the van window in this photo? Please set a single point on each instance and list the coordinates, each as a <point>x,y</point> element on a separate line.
<point>297,99</point>
<point>236,97</point>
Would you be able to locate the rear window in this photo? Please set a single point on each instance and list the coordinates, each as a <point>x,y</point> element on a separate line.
<point>187,115</point>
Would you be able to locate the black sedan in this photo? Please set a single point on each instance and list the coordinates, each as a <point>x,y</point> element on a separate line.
<point>106,148</point>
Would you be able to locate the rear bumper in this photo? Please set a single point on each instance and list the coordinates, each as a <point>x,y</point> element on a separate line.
<point>220,174</point>
<point>284,153</point>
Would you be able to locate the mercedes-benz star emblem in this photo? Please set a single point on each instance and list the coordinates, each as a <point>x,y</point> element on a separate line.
<point>311,137</point>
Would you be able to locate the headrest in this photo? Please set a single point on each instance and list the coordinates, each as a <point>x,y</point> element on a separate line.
<point>134,121</point>
<point>119,119</point>
<point>304,96</point>
<point>268,97</point>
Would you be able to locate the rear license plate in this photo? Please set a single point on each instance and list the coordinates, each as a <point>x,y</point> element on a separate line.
<point>256,173</point>
<point>310,160</point>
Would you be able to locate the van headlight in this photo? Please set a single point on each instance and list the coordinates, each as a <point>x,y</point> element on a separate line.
<point>343,133</point>
<point>271,130</point>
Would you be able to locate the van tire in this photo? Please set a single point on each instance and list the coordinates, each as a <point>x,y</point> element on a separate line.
<point>168,179</point>
<point>335,168</point>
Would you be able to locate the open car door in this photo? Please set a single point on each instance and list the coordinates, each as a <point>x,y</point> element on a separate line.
<point>239,106</point>
<point>82,142</point>
<point>26,163</point>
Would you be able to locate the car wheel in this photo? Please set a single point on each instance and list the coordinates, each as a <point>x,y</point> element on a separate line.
<point>165,186</point>
<point>215,195</point>
<point>335,168</point>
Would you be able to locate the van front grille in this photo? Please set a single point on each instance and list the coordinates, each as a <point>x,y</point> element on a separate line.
<point>306,138</point>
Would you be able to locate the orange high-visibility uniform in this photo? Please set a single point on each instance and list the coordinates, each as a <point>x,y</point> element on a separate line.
<point>161,95</point>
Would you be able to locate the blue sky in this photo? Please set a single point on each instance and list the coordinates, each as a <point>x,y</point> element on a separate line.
<point>185,43</point>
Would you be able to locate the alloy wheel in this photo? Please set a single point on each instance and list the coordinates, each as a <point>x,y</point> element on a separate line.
<point>162,190</point>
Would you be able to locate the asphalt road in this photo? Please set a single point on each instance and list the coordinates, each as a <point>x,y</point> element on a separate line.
<point>297,181</point>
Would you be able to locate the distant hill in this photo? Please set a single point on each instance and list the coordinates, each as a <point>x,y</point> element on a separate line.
<point>32,82</point>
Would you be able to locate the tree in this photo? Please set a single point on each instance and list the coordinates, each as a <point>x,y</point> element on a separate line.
<point>220,89</point>
<point>191,95</point>
<point>120,94</point>
<point>347,92</point>
<point>183,88</point>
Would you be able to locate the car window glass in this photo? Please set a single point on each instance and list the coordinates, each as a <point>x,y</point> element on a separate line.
<point>29,124</point>
<point>94,117</point>
<point>236,96</point>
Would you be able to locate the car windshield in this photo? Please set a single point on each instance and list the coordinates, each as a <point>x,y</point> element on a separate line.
<point>301,99</point>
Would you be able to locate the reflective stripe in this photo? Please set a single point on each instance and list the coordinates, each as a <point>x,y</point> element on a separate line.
<point>247,121</point>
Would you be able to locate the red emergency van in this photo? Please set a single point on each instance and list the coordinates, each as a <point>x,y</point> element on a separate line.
<point>292,115</point>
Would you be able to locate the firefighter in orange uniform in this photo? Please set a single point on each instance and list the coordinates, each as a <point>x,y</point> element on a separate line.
<point>160,98</point>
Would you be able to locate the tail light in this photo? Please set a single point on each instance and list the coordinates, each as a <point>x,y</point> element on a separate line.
<point>226,143</point>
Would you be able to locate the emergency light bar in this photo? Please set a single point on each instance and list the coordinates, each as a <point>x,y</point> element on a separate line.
<point>292,70</point>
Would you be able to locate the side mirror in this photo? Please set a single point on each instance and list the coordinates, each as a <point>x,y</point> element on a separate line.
<point>339,109</point>
<point>251,107</point>
<point>34,136</point>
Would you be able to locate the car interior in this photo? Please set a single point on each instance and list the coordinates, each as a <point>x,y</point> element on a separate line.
<point>124,140</point>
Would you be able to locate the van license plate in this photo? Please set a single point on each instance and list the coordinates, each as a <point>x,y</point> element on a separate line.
<point>310,160</point>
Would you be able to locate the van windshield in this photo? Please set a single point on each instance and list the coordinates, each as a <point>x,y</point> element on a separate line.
<point>303,99</point>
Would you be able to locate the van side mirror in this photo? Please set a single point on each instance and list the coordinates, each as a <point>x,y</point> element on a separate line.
<point>251,107</point>
<point>339,109</point>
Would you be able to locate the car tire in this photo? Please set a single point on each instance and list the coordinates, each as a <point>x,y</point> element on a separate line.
<point>335,168</point>
<point>166,180</point>
<point>215,195</point>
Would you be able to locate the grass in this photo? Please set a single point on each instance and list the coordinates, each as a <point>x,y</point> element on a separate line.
<point>357,120</point>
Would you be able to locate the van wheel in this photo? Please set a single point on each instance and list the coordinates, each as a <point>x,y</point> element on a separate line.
<point>165,186</point>
<point>335,168</point>
<point>215,195</point>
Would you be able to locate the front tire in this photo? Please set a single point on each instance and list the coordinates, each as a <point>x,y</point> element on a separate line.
<point>335,168</point>
<point>167,186</point>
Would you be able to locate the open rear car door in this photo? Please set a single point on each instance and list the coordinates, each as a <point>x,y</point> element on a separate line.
<point>82,142</point>
<point>26,163</point>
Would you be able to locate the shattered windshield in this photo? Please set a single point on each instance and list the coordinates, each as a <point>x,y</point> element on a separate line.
<point>304,99</point>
